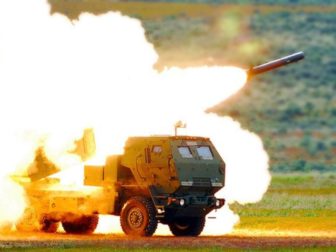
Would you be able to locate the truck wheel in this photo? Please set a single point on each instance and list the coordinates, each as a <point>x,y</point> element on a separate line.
<point>191,226</point>
<point>138,217</point>
<point>48,225</point>
<point>82,225</point>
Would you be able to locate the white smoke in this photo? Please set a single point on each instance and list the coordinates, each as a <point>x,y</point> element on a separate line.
<point>58,77</point>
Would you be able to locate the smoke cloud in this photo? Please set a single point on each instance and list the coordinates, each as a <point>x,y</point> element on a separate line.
<point>58,77</point>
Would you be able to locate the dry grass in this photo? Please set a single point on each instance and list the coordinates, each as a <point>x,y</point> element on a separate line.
<point>153,10</point>
<point>251,240</point>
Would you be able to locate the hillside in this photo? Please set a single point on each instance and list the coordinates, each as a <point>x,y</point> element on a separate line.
<point>292,109</point>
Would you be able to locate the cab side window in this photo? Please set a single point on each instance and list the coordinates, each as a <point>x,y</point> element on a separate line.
<point>157,149</point>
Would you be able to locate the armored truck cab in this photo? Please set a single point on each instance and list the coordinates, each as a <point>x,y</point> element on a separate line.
<point>167,179</point>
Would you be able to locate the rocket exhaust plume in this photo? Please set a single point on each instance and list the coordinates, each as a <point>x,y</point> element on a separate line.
<point>59,77</point>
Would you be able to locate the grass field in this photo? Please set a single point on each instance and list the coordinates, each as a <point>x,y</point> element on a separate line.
<point>301,204</point>
<point>151,250</point>
<point>297,212</point>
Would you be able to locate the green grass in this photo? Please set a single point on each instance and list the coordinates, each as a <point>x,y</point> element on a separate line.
<point>298,202</point>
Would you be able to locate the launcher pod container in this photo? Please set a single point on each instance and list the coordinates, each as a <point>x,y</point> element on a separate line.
<point>166,179</point>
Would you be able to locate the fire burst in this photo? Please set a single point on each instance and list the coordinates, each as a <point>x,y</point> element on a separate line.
<point>59,77</point>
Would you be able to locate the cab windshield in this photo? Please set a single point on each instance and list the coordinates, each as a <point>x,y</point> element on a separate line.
<point>185,152</point>
<point>204,152</point>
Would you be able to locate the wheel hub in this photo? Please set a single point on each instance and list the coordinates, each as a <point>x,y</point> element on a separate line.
<point>135,218</point>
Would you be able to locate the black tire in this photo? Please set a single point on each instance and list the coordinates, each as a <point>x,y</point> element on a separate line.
<point>138,217</point>
<point>191,226</point>
<point>82,225</point>
<point>48,225</point>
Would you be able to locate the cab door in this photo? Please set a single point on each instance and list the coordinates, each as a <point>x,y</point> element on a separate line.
<point>160,158</point>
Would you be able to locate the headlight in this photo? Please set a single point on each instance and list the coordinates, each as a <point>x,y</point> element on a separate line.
<point>219,203</point>
<point>182,202</point>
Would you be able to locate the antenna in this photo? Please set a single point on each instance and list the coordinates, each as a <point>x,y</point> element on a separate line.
<point>179,124</point>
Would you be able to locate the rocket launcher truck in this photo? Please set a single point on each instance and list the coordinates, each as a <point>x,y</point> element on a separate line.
<point>166,179</point>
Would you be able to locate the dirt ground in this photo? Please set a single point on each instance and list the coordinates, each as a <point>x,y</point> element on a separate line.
<point>27,240</point>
